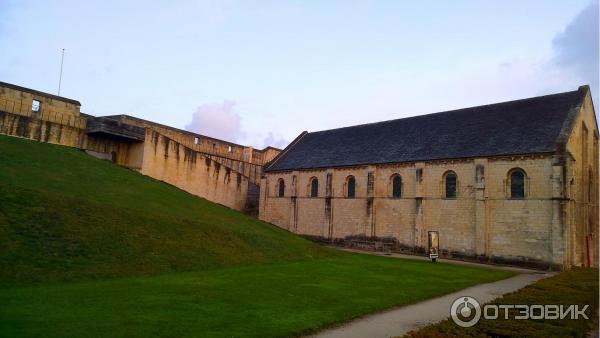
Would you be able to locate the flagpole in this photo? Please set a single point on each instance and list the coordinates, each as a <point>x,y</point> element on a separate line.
<point>62,59</point>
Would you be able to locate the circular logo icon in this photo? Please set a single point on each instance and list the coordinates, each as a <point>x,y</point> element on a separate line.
<point>465,311</point>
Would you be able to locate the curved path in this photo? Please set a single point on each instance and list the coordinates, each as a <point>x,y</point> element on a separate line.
<point>399,321</point>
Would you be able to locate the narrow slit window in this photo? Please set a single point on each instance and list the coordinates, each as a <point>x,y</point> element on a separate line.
<point>397,186</point>
<point>351,187</point>
<point>517,184</point>
<point>314,188</point>
<point>281,192</point>
<point>450,185</point>
<point>196,140</point>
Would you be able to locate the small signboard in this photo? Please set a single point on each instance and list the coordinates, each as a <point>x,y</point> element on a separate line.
<point>434,245</point>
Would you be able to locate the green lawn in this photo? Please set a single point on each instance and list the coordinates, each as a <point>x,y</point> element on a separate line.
<point>574,287</point>
<point>88,248</point>
<point>268,300</point>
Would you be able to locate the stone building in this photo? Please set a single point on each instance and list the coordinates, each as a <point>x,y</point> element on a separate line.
<point>220,171</point>
<point>509,182</point>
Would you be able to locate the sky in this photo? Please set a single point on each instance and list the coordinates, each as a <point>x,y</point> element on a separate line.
<point>261,72</point>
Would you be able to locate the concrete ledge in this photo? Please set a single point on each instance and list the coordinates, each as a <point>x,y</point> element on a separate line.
<point>114,128</point>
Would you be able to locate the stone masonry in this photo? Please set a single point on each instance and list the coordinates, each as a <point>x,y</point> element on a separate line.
<point>555,224</point>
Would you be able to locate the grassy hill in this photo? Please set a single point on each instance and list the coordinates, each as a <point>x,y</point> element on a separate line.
<point>65,215</point>
<point>88,248</point>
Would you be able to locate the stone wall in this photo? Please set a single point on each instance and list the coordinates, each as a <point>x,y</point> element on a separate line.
<point>19,101</point>
<point>482,221</point>
<point>41,130</point>
<point>217,170</point>
<point>206,144</point>
<point>160,158</point>
<point>555,224</point>
<point>35,128</point>
<point>580,206</point>
<point>245,160</point>
<point>126,153</point>
<point>265,156</point>
<point>169,161</point>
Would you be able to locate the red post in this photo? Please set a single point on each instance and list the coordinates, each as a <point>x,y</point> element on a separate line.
<point>587,251</point>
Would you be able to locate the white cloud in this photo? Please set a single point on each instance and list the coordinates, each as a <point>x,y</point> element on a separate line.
<point>218,120</point>
<point>276,141</point>
<point>221,120</point>
<point>572,62</point>
<point>576,48</point>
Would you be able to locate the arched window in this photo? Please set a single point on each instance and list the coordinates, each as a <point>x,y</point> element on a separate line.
<point>314,187</point>
<point>350,187</point>
<point>281,188</point>
<point>396,186</point>
<point>479,174</point>
<point>450,184</point>
<point>517,183</point>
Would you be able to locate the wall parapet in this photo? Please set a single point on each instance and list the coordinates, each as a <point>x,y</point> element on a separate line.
<point>44,113</point>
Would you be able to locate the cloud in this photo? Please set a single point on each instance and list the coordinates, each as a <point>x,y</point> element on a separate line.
<point>576,48</point>
<point>573,61</point>
<point>276,141</point>
<point>218,120</point>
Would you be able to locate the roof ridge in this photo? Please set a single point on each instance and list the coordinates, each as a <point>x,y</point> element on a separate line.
<point>523,126</point>
<point>446,111</point>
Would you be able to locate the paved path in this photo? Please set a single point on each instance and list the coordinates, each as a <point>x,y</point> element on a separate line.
<point>441,260</point>
<point>399,321</point>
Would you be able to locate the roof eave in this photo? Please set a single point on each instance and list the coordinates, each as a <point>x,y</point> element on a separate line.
<point>549,152</point>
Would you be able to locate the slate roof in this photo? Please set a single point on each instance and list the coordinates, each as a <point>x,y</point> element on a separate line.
<point>509,128</point>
